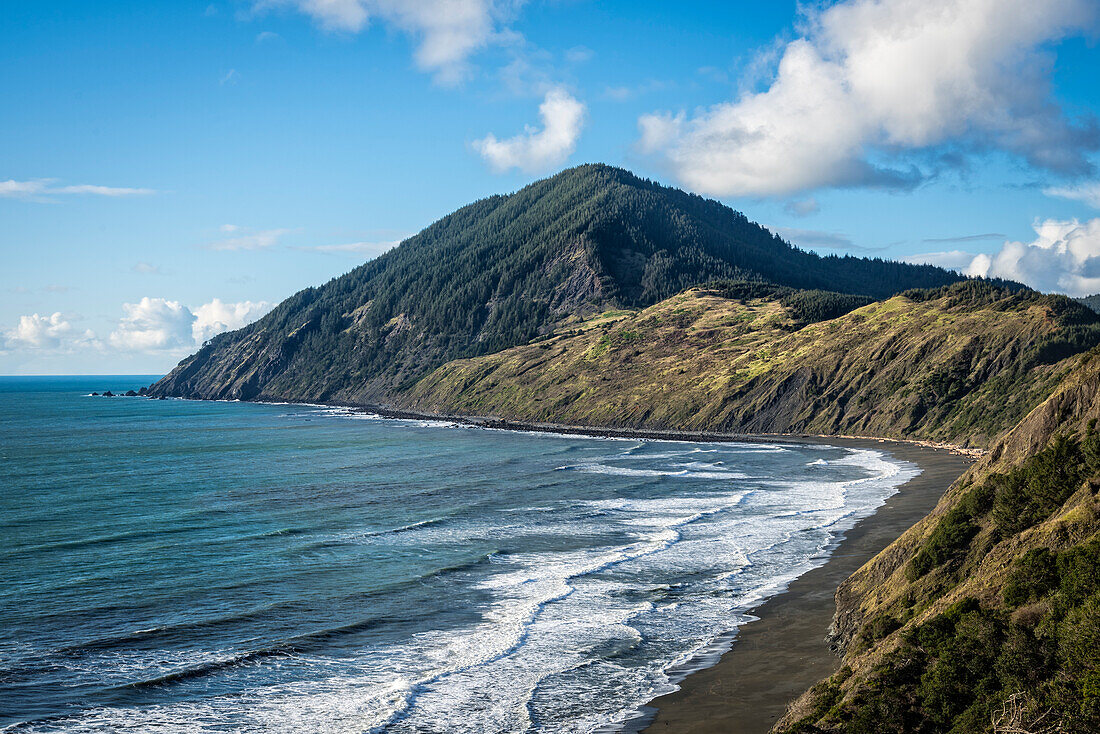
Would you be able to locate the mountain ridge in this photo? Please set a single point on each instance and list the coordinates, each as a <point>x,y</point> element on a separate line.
<point>502,271</point>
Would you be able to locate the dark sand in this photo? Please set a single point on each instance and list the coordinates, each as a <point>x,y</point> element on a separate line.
<point>776,658</point>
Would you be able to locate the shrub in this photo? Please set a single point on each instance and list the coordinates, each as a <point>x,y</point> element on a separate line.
<point>1035,574</point>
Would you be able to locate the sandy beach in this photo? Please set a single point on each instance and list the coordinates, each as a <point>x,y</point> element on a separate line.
<point>783,653</point>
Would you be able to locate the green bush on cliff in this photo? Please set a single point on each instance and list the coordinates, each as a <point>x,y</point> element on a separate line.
<point>1031,664</point>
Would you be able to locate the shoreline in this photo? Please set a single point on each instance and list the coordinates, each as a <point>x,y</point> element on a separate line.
<point>657,434</point>
<point>785,651</point>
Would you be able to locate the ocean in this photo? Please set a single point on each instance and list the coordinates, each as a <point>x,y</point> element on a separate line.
<point>184,566</point>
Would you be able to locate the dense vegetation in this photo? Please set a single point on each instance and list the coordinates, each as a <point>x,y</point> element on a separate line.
<point>503,271</point>
<point>805,306</point>
<point>996,626</point>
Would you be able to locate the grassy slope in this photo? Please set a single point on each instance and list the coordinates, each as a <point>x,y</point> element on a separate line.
<point>959,366</point>
<point>985,615</point>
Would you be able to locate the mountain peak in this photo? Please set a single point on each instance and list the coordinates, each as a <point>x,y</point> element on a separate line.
<point>503,271</point>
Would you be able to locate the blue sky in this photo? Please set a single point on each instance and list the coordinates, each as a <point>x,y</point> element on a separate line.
<point>171,169</point>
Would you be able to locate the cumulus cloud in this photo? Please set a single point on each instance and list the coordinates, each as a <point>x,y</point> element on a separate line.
<point>217,316</point>
<point>53,331</point>
<point>1088,193</point>
<point>874,84</point>
<point>448,31</point>
<point>536,150</point>
<point>41,189</point>
<point>1064,257</point>
<point>153,324</point>
<point>158,324</point>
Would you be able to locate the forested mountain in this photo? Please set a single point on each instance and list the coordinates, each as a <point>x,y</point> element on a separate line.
<point>502,271</point>
<point>1092,302</point>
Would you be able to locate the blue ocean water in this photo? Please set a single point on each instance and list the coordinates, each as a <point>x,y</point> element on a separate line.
<point>202,566</point>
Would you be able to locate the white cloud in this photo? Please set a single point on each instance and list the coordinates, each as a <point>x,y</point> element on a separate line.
<point>1064,257</point>
<point>1088,192</point>
<point>448,31</point>
<point>46,332</point>
<point>872,85</point>
<point>158,324</point>
<point>217,316</point>
<point>579,55</point>
<point>22,189</point>
<point>145,268</point>
<point>101,190</point>
<point>624,93</point>
<point>260,240</point>
<point>153,324</point>
<point>370,249</point>
<point>658,131</point>
<point>959,260</point>
<point>536,150</point>
<point>41,189</point>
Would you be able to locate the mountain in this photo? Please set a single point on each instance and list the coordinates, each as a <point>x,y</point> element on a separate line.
<point>959,364</point>
<point>501,272</point>
<point>1092,302</point>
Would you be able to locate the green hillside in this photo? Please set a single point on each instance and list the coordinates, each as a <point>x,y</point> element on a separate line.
<point>960,364</point>
<point>501,272</point>
<point>985,616</point>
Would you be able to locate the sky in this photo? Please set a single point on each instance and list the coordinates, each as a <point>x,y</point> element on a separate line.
<point>170,170</point>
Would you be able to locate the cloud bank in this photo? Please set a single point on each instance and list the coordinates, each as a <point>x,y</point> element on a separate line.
<point>1064,257</point>
<point>876,88</point>
<point>537,150</point>
<point>152,325</point>
<point>46,332</point>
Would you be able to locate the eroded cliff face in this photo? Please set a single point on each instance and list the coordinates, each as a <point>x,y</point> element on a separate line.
<point>973,619</point>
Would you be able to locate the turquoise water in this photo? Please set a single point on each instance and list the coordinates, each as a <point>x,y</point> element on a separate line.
<point>200,566</point>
